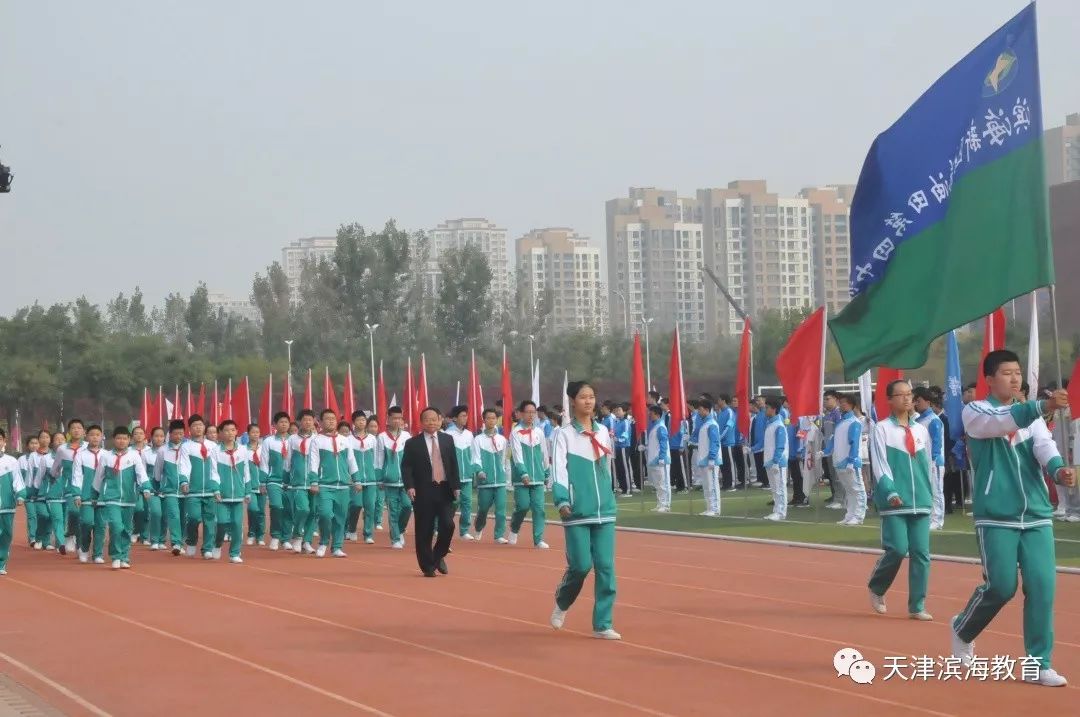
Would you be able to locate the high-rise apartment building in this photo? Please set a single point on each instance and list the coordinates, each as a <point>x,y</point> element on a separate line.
<point>1061,146</point>
<point>557,265</point>
<point>454,234</point>
<point>300,251</point>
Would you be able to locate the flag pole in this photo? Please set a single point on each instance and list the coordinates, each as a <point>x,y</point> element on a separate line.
<point>1065,427</point>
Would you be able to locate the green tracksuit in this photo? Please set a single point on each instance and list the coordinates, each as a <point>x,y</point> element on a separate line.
<point>276,449</point>
<point>528,447</point>
<point>582,482</point>
<point>365,499</point>
<point>388,467</point>
<point>51,501</point>
<point>83,471</point>
<point>491,479</point>
<point>201,495</point>
<point>12,490</point>
<point>902,464</point>
<point>119,478</point>
<point>171,471</point>
<point>334,468</point>
<point>235,486</point>
<point>304,503</point>
<point>62,470</point>
<point>258,471</point>
<point>463,453</point>
<point>154,509</point>
<point>31,494</point>
<point>1010,446</point>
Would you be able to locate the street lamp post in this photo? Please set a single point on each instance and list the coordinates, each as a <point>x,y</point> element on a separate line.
<point>626,314</point>
<point>532,363</point>
<point>371,343</point>
<point>648,361</point>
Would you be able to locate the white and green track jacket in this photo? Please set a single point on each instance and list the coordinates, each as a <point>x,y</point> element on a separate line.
<point>581,466</point>
<point>528,447</point>
<point>901,470</point>
<point>120,477</point>
<point>1010,445</point>
<point>492,459</point>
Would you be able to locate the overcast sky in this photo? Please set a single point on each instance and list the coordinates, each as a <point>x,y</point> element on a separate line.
<point>163,143</point>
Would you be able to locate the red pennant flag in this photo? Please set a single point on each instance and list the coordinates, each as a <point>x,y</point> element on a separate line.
<point>200,407</point>
<point>308,397</point>
<point>742,382</point>
<point>287,399</point>
<point>993,340</point>
<point>241,405</point>
<point>216,408</point>
<point>176,404</point>
<point>1074,390</point>
<point>348,402</point>
<point>226,403</point>
<point>144,414</point>
<point>412,421</point>
<point>266,407</point>
<point>637,388</point>
<point>380,400</point>
<point>676,389</point>
<point>190,401</point>
<point>885,376</point>
<point>421,386</point>
<point>473,399</point>
<point>507,396</point>
<point>159,408</point>
<point>800,366</point>
<point>329,395</point>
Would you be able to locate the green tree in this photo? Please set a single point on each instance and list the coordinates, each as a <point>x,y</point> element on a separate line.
<point>465,304</point>
<point>272,298</point>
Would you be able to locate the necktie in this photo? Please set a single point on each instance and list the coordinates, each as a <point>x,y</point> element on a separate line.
<point>202,450</point>
<point>232,458</point>
<point>436,461</point>
<point>255,457</point>
<point>333,442</point>
<point>95,459</point>
<point>909,440</point>
<point>116,466</point>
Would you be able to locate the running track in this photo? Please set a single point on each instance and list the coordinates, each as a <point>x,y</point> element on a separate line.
<point>709,628</point>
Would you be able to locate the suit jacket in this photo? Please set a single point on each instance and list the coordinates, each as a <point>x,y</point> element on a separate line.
<point>416,465</point>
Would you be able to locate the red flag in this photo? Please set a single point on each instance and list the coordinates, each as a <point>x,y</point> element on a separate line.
<point>329,395</point>
<point>472,398</point>
<point>144,414</point>
<point>241,405</point>
<point>993,340</point>
<point>215,410</point>
<point>287,399</point>
<point>190,401</point>
<point>200,407</point>
<point>308,397</point>
<point>176,404</point>
<point>412,421</point>
<point>348,402</point>
<point>1074,390</point>
<point>676,389</point>
<point>266,408</point>
<point>885,376</point>
<point>507,396</point>
<point>421,386</point>
<point>800,366</point>
<point>380,400</point>
<point>637,388</point>
<point>742,382</point>
<point>226,403</point>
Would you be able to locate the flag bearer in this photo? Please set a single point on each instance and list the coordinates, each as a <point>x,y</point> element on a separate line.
<point>172,474</point>
<point>120,476</point>
<point>364,445</point>
<point>586,503</point>
<point>276,450</point>
<point>658,458</point>
<point>492,476</point>
<point>388,467</point>
<point>847,440</point>
<point>303,497</point>
<point>467,467</point>
<point>335,471</point>
<point>232,463</point>
<point>900,449</point>
<point>12,495</point>
<point>707,457</point>
<point>204,489</point>
<point>83,470</point>
<point>774,456</point>
<point>1010,447</point>
<point>530,471</point>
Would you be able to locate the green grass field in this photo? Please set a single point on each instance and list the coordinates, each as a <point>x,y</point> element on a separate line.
<point>742,514</point>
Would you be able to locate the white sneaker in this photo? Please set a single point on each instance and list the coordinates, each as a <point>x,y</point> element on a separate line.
<point>772,516</point>
<point>156,546</point>
<point>853,521</point>
<point>369,541</point>
<point>877,602</point>
<point>125,566</point>
<point>1069,519</point>
<point>176,550</point>
<point>921,616</point>
<point>217,553</point>
<point>146,542</point>
<point>262,541</point>
<point>320,552</point>
<point>542,545</point>
<point>479,536</point>
<point>468,537</point>
<point>208,555</point>
<point>512,539</point>
<point>84,557</point>
<point>38,546</point>
<point>190,550</point>
<point>935,527</point>
<point>1059,512</point>
<point>710,514</point>
<point>237,560</point>
<point>116,565</point>
<point>398,545</point>
<point>315,534</point>
<point>558,617</point>
<point>502,541</point>
<point>99,561</point>
<point>134,539</point>
<point>964,650</point>
<point>275,544</point>
<point>50,547</point>
<point>1049,678</point>
<point>607,634</point>
<point>250,541</point>
<point>287,545</point>
<point>70,545</point>
<point>3,571</point>
<point>663,510</point>
<point>308,550</point>
<point>834,506</point>
<point>378,526</point>
<point>339,553</point>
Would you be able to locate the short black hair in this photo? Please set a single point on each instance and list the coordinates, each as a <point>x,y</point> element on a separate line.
<point>656,410</point>
<point>850,399</point>
<point>655,395</point>
<point>282,414</point>
<point>994,359</point>
<point>924,393</point>
<point>26,442</point>
<point>250,426</point>
<point>776,403</point>
<point>892,384</point>
<point>357,414</point>
<point>121,431</point>
<point>726,398</point>
<point>526,402</point>
<point>431,408</point>
<point>177,425</point>
<point>458,410</point>
<point>95,427</point>
<point>373,419</point>
<point>73,421</point>
<point>971,387</point>
<point>3,434</point>
<point>832,393</point>
<point>325,411</point>
<point>303,413</point>
<point>574,388</point>
<point>155,429</point>
<point>395,411</point>
<point>226,422</point>
<point>489,410</point>
<point>541,408</point>
<point>195,418</point>
<point>704,403</point>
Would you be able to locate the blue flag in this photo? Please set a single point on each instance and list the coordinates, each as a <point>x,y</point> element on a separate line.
<point>954,388</point>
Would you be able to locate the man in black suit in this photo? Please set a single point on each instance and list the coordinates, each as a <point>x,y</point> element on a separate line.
<point>430,472</point>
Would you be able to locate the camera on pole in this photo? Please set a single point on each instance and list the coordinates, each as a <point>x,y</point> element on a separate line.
<point>6,176</point>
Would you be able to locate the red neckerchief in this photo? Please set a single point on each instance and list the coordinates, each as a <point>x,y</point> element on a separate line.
<point>598,447</point>
<point>95,455</point>
<point>116,466</point>
<point>255,457</point>
<point>232,456</point>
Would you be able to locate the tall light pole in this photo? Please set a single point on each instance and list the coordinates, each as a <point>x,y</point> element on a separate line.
<point>371,343</point>
<point>648,361</point>
<point>532,363</point>
<point>288,374</point>
<point>626,311</point>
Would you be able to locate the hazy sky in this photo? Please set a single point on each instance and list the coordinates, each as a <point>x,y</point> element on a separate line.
<point>160,143</point>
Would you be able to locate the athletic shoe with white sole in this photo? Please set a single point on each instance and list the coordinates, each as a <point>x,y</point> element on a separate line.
<point>237,560</point>
<point>275,544</point>
<point>116,565</point>
<point>512,539</point>
<point>558,617</point>
<point>69,544</point>
<point>217,553</point>
<point>378,526</point>
<point>99,561</point>
<point>125,565</point>
<point>308,549</point>
<point>468,537</point>
<point>176,550</point>
<point>964,650</point>
<point>339,553</point>
<point>250,540</point>
<point>710,514</point>
<point>877,602</point>
<point>479,536</point>
<point>921,616</point>
<point>320,552</point>
<point>607,634</point>
<point>84,557</point>
<point>398,545</point>
<point>502,541</point>
<point>369,541</point>
<point>3,571</point>
<point>542,545</point>
<point>1069,519</point>
<point>1048,678</point>
<point>190,551</point>
<point>208,555</point>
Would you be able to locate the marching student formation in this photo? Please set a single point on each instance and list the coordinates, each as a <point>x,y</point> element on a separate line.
<point>188,487</point>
